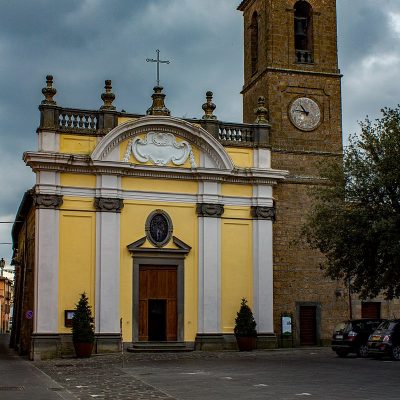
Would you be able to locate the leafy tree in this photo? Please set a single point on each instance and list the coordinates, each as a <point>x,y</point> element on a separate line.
<point>82,321</point>
<point>355,221</point>
<point>245,325</point>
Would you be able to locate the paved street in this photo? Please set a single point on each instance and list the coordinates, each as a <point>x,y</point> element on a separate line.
<point>278,375</point>
<point>21,380</point>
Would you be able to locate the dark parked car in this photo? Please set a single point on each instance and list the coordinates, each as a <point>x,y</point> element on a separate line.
<point>352,336</point>
<point>385,340</point>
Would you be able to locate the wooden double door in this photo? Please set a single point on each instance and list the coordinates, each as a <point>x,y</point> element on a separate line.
<point>158,303</point>
<point>308,325</point>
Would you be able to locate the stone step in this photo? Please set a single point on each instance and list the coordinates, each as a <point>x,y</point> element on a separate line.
<point>158,347</point>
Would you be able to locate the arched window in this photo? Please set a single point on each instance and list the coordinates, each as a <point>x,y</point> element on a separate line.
<point>303,31</point>
<point>254,43</point>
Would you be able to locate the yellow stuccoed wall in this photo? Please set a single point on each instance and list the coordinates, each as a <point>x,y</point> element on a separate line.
<point>77,255</point>
<point>160,186</point>
<point>241,157</point>
<point>77,252</point>
<point>122,120</point>
<point>77,144</point>
<point>185,225</point>
<point>236,263</point>
<point>78,180</point>
<point>228,189</point>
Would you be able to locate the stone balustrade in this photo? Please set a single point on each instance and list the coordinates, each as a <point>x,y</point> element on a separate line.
<point>100,122</point>
<point>78,119</point>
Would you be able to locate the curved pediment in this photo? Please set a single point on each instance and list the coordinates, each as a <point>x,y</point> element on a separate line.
<point>162,141</point>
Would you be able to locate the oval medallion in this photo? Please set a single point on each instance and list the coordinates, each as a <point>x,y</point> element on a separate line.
<point>159,228</point>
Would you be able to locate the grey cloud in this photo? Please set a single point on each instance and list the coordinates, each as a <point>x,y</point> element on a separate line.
<point>84,42</point>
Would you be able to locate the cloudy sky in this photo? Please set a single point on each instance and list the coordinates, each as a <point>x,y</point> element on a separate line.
<point>84,42</point>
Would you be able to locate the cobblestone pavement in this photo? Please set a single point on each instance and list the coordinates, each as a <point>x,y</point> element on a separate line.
<point>278,375</point>
<point>101,377</point>
<point>109,376</point>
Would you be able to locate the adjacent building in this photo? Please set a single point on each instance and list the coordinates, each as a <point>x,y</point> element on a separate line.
<point>6,292</point>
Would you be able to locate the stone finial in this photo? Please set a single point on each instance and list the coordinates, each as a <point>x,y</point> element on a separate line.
<point>158,106</point>
<point>49,91</point>
<point>108,97</point>
<point>261,111</point>
<point>209,107</point>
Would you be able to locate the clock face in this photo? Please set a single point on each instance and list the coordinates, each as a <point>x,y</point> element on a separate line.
<point>305,114</point>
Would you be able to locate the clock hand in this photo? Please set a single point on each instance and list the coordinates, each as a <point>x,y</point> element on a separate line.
<point>301,111</point>
<point>304,110</point>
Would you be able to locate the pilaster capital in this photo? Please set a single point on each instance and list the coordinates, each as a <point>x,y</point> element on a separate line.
<point>209,210</point>
<point>260,212</point>
<point>53,201</point>
<point>104,204</point>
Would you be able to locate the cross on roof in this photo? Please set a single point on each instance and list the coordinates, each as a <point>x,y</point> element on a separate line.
<point>158,61</point>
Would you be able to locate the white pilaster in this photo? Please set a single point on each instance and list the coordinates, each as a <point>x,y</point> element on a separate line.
<point>262,158</point>
<point>46,271</point>
<point>263,275</point>
<point>209,275</point>
<point>209,263</point>
<point>107,272</point>
<point>49,141</point>
<point>108,186</point>
<point>107,312</point>
<point>263,270</point>
<point>48,182</point>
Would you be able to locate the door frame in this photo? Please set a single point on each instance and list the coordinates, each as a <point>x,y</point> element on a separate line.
<point>158,257</point>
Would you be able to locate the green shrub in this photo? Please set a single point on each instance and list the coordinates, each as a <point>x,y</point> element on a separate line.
<point>245,325</point>
<point>82,322</point>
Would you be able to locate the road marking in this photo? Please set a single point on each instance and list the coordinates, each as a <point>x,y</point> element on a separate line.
<point>261,385</point>
<point>81,386</point>
<point>97,395</point>
<point>193,373</point>
<point>227,377</point>
<point>303,394</point>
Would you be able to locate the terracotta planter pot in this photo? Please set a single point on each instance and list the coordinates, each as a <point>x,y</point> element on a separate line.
<point>83,350</point>
<point>246,343</point>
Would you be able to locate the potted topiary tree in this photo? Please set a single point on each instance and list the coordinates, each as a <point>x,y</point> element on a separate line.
<point>245,328</point>
<point>83,328</point>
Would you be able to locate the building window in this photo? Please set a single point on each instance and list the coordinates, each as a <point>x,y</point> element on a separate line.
<point>303,32</point>
<point>254,43</point>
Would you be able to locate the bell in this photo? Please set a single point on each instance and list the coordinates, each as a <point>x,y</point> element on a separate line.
<point>300,27</point>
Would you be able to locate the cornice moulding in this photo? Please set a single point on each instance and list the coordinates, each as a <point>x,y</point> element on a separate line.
<point>59,162</point>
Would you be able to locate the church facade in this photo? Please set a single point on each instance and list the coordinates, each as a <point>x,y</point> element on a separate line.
<point>167,223</point>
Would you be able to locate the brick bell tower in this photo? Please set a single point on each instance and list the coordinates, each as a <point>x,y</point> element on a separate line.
<point>290,58</point>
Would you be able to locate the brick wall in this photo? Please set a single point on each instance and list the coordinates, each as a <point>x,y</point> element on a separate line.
<point>297,275</point>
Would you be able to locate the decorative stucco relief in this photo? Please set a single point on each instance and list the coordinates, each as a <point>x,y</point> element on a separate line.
<point>259,212</point>
<point>209,210</point>
<point>47,200</point>
<point>160,148</point>
<point>108,204</point>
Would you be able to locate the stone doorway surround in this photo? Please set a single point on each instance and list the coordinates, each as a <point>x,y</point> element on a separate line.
<point>143,256</point>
